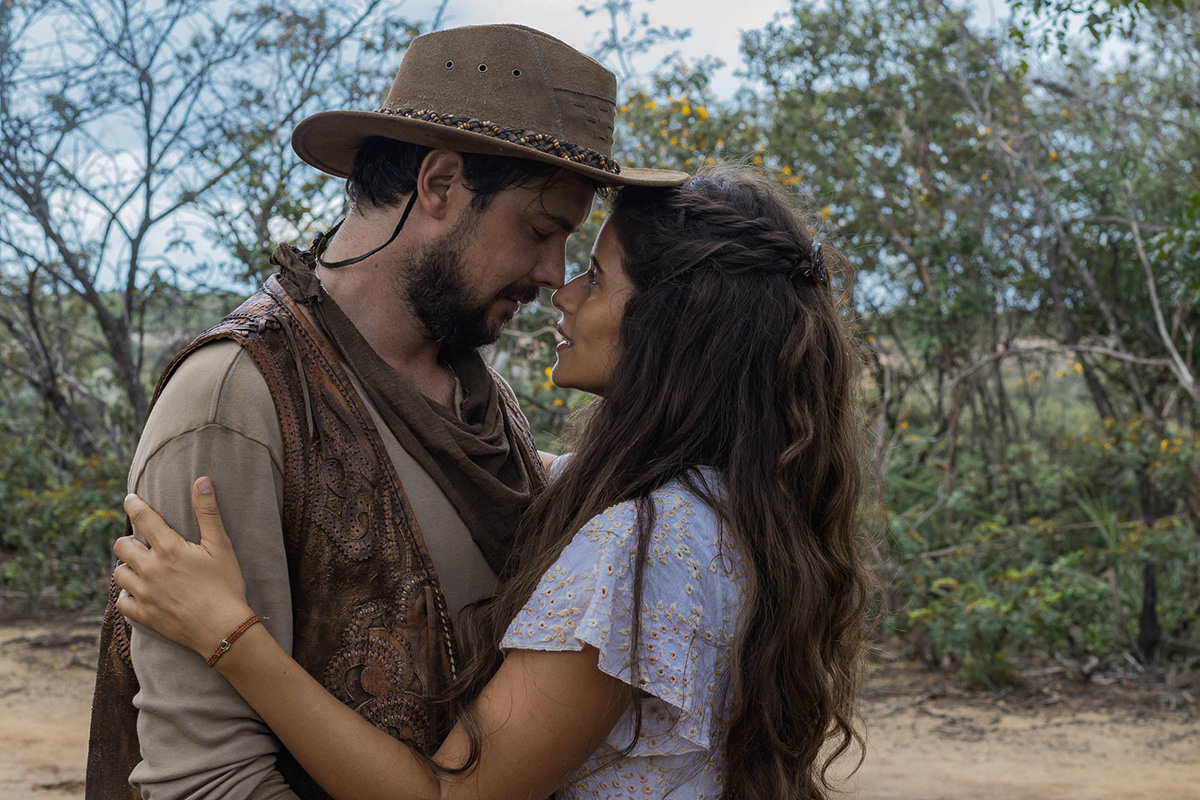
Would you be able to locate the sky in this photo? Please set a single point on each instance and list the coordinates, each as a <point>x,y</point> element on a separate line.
<point>716,25</point>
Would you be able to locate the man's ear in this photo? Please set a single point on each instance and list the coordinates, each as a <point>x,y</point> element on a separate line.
<point>441,183</point>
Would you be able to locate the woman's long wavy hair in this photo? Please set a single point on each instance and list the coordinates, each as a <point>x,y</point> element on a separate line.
<point>731,357</point>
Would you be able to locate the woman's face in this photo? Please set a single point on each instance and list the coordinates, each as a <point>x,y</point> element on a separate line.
<point>592,305</point>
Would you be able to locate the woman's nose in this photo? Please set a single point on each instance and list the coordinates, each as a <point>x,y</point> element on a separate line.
<point>565,299</point>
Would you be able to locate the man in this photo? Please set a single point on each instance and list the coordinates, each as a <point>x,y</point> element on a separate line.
<point>370,466</point>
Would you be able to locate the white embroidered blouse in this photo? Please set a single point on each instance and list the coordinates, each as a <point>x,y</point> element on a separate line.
<point>690,607</point>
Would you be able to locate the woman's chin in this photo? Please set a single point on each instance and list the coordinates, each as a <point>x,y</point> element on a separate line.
<point>563,380</point>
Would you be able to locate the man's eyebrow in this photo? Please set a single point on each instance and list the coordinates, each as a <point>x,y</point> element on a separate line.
<point>562,222</point>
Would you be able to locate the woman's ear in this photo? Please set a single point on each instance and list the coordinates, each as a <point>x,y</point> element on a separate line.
<point>441,184</point>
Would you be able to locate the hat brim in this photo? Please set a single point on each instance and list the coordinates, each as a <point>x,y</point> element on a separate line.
<point>328,141</point>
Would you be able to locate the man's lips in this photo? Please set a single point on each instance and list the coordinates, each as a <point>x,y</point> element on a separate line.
<point>522,294</point>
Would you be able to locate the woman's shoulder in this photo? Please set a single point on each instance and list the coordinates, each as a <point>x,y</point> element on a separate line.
<point>688,605</point>
<point>679,512</point>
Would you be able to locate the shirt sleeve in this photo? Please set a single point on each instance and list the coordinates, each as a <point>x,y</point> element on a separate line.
<point>688,606</point>
<point>198,738</point>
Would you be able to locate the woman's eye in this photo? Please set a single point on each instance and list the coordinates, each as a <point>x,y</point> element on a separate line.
<point>591,276</point>
<point>541,237</point>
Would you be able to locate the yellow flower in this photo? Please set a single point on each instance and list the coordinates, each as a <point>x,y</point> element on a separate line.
<point>624,109</point>
<point>674,141</point>
<point>1107,446</point>
<point>787,170</point>
<point>824,214</point>
<point>548,385</point>
<point>1067,115</point>
<point>870,338</point>
<point>702,112</point>
<point>1053,155</point>
<point>1078,367</point>
<point>903,426</point>
<point>758,159</point>
<point>548,371</point>
<point>984,176</point>
<point>987,131</point>
<point>1164,444</point>
<point>651,105</point>
<point>1059,373</point>
<point>558,401</point>
<point>686,110</point>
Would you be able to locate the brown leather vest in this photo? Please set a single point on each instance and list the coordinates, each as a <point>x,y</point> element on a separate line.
<point>371,622</point>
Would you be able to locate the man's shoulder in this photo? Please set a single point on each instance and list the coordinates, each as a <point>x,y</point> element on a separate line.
<point>218,384</point>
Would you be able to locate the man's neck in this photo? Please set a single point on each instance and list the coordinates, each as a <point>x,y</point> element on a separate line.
<point>371,295</point>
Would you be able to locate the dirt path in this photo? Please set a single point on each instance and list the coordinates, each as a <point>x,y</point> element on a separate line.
<point>1066,742</point>
<point>47,671</point>
<point>926,741</point>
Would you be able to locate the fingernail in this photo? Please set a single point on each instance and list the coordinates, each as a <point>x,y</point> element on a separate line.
<point>204,486</point>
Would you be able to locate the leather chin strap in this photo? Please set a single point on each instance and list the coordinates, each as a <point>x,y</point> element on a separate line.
<point>347,262</point>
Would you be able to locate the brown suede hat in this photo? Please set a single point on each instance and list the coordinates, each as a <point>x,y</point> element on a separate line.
<point>503,90</point>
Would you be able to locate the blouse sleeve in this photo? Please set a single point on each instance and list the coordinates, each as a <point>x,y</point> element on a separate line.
<point>687,613</point>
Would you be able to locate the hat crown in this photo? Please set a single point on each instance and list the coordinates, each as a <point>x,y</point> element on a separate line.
<point>510,76</point>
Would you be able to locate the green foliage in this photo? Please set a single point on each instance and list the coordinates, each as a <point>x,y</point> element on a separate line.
<point>1039,23</point>
<point>58,520</point>
<point>1030,350</point>
<point>1063,574</point>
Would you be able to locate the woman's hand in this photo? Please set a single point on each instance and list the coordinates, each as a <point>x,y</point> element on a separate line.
<point>193,594</point>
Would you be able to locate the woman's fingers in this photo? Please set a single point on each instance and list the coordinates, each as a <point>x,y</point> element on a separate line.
<point>129,580</point>
<point>127,605</point>
<point>208,515</point>
<point>192,594</point>
<point>153,528</point>
<point>130,550</point>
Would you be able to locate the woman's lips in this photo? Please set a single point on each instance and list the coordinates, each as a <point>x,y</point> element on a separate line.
<point>566,342</point>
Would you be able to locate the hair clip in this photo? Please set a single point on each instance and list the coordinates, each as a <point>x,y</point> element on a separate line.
<point>816,265</point>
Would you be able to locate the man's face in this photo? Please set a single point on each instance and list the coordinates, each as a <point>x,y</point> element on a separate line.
<point>467,283</point>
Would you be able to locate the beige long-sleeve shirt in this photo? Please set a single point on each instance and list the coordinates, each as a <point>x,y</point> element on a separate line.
<point>215,417</point>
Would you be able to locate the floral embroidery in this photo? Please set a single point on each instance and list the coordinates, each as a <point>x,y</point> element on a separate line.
<point>691,598</point>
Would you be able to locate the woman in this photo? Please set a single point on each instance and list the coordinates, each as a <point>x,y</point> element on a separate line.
<point>713,488</point>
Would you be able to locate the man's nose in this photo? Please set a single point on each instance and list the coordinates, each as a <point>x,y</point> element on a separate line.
<point>551,269</point>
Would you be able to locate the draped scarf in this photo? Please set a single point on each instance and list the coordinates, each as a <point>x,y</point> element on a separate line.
<point>472,456</point>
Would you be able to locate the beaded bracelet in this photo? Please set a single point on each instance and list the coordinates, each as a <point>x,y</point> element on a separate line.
<point>233,637</point>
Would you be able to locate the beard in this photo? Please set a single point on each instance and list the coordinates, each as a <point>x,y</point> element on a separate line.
<point>438,293</point>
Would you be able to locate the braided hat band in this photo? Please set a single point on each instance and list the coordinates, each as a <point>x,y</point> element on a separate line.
<point>532,139</point>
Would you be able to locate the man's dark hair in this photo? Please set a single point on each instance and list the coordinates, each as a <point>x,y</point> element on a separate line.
<point>385,170</point>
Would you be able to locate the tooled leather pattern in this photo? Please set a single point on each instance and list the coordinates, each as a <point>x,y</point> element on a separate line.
<point>361,623</point>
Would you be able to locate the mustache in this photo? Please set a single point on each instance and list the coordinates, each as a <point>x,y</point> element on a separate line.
<point>520,291</point>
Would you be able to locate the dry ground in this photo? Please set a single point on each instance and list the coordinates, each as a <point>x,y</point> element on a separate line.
<point>1059,738</point>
